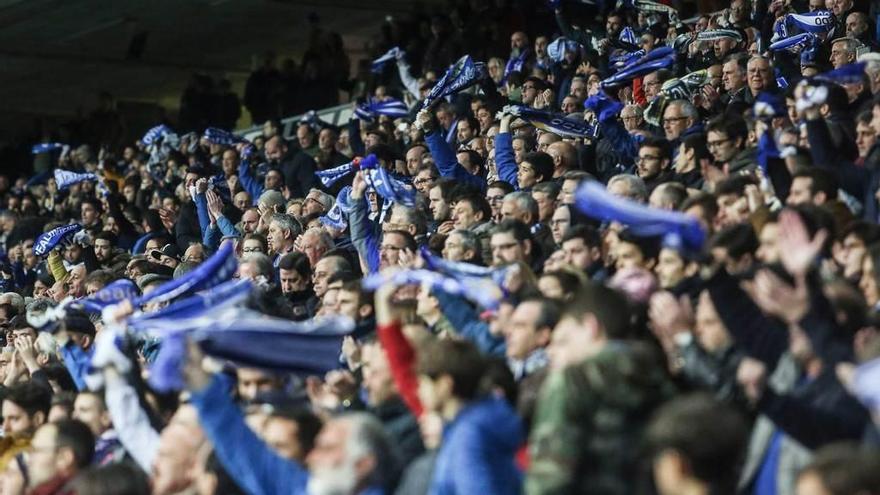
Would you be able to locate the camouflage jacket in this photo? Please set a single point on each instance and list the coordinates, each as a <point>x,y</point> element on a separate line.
<point>586,432</point>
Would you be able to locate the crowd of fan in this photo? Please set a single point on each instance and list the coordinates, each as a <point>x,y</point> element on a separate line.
<point>614,363</point>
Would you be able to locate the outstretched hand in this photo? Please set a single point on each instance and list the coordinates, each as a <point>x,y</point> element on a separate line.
<point>800,251</point>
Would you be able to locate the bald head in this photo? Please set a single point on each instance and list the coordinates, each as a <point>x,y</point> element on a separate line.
<point>564,157</point>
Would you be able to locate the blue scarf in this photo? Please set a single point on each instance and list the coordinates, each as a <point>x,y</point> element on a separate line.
<point>390,107</point>
<point>217,269</point>
<point>559,47</point>
<point>66,178</point>
<point>483,291</point>
<point>47,241</point>
<point>332,175</point>
<point>463,74</point>
<point>678,229</point>
<point>379,64</point>
<point>220,136</point>
<point>253,339</point>
<point>647,64</point>
<point>847,74</point>
<point>113,293</point>
<point>46,147</point>
<point>554,123</point>
<point>210,300</point>
<point>337,217</point>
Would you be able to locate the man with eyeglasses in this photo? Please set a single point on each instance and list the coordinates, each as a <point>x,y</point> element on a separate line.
<point>679,118</point>
<point>726,140</point>
<point>652,165</point>
<point>317,202</point>
<point>495,197</point>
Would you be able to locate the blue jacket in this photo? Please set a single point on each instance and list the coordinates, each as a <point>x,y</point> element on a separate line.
<point>256,468</point>
<point>464,318</point>
<point>477,452</point>
<point>505,159</point>
<point>448,165</point>
<point>249,461</point>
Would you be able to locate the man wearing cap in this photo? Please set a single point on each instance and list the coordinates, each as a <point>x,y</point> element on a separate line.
<point>169,256</point>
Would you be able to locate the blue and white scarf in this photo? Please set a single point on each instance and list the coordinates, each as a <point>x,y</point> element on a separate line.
<point>47,241</point>
<point>217,269</point>
<point>483,291</point>
<point>333,175</point>
<point>677,229</point>
<point>113,293</point>
<point>559,47</point>
<point>391,55</point>
<point>463,74</point>
<point>221,136</point>
<point>555,123</point>
<point>390,107</point>
<point>66,178</point>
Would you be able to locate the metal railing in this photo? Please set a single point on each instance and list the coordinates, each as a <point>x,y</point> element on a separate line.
<point>337,115</point>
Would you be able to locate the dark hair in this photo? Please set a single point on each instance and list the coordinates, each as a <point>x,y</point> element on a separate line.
<point>542,163</point>
<point>648,246</point>
<point>76,436</point>
<point>408,239</point>
<point>297,262</point>
<point>845,468</point>
<point>460,360</point>
<point>106,235</point>
<point>308,425</point>
<point>821,180</point>
<point>549,313</point>
<point>733,185</point>
<point>658,143</point>
<point>738,240</point>
<point>30,397</point>
<point>225,482</point>
<point>609,307</point>
<point>587,233</point>
<point>706,201</point>
<point>567,280</point>
<point>507,187</point>
<point>478,204</point>
<point>733,126</point>
<point>123,478</point>
<point>711,437</point>
<point>697,142</point>
<point>519,230</point>
<point>446,185</point>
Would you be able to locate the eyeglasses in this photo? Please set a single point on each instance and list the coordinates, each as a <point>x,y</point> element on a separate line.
<point>717,143</point>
